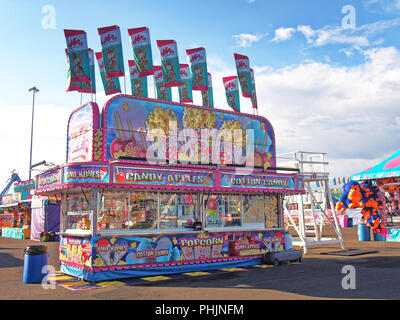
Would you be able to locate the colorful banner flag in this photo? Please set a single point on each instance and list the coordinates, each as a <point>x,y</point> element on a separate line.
<point>163,92</point>
<point>210,90</point>
<point>111,47</point>
<point>78,55</point>
<point>110,85</point>
<point>334,181</point>
<point>141,45</point>
<point>198,68</point>
<point>71,86</point>
<point>185,89</point>
<point>82,86</point>
<point>138,84</point>
<point>207,95</point>
<point>231,85</point>
<point>244,75</point>
<point>317,182</point>
<point>170,62</point>
<point>89,86</point>
<point>253,89</point>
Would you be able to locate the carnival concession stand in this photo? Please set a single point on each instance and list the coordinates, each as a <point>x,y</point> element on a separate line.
<point>126,215</point>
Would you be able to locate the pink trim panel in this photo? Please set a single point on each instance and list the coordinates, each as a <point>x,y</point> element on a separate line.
<point>167,264</point>
<point>215,188</point>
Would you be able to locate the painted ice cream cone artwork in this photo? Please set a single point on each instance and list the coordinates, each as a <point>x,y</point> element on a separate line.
<point>103,250</point>
<point>118,249</point>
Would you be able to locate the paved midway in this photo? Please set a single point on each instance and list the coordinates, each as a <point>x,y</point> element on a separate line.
<point>317,277</point>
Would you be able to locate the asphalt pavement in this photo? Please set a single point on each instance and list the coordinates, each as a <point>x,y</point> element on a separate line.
<point>319,276</point>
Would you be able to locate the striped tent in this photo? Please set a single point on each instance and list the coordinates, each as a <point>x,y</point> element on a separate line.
<point>388,168</point>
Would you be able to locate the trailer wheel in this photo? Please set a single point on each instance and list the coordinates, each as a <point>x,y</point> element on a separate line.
<point>275,262</point>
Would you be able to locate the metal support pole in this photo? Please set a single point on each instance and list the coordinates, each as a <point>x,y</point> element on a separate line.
<point>34,89</point>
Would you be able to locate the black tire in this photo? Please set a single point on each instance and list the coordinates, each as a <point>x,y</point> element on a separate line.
<point>276,262</point>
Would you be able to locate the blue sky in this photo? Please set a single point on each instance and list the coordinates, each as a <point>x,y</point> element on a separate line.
<point>312,76</point>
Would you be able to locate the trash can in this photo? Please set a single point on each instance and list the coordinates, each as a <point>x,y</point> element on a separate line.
<point>35,258</point>
<point>363,232</point>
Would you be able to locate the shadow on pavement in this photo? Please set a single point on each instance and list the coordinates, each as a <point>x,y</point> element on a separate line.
<point>375,278</point>
<point>10,261</point>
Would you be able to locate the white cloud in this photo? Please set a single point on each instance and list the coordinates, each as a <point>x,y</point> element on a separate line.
<point>49,137</point>
<point>386,5</point>
<point>351,113</point>
<point>282,34</point>
<point>359,37</point>
<point>246,40</point>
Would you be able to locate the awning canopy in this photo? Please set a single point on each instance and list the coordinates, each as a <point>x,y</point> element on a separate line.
<point>388,168</point>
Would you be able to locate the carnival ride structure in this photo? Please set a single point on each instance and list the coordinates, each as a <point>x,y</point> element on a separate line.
<point>308,224</point>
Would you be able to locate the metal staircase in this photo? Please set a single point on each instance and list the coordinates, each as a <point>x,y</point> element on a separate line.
<point>308,222</point>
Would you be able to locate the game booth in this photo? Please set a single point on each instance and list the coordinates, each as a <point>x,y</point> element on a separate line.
<point>137,201</point>
<point>45,217</point>
<point>15,216</point>
<point>385,179</point>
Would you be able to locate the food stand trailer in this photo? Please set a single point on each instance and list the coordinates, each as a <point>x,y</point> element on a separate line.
<point>15,216</point>
<point>124,215</point>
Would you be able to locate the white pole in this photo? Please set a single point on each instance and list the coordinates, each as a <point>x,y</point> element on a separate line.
<point>34,89</point>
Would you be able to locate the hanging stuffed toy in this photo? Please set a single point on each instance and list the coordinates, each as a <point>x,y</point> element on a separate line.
<point>372,204</point>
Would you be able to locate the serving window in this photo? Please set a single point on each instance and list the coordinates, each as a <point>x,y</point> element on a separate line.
<point>136,210</point>
<point>240,210</point>
<point>78,212</point>
<point>253,210</point>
